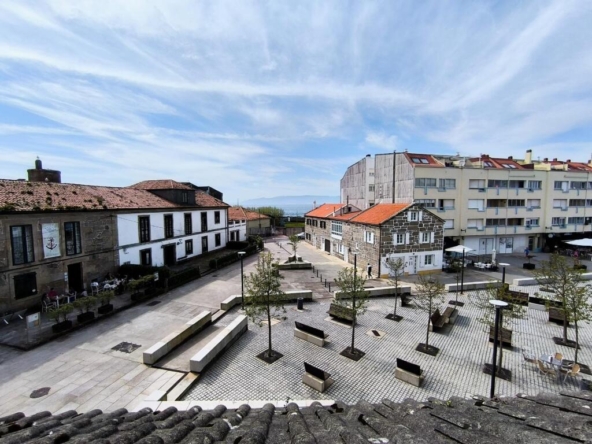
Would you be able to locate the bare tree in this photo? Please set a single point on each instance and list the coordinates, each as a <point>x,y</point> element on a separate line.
<point>564,281</point>
<point>264,296</point>
<point>429,294</point>
<point>395,267</point>
<point>294,240</point>
<point>580,310</point>
<point>353,297</point>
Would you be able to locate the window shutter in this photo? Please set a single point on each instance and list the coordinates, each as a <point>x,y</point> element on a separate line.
<point>434,260</point>
<point>433,236</point>
<point>419,218</point>
<point>421,260</point>
<point>406,238</point>
<point>408,216</point>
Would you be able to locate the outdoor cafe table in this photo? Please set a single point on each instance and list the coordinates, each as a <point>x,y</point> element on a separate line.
<point>557,364</point>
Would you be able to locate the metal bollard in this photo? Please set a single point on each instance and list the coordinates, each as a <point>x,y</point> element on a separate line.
<point>317,272</point>
<point>329,286</point>
<point>325,282</point>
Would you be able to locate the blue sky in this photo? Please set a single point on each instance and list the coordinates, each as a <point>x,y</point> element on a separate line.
<point>260,99</point>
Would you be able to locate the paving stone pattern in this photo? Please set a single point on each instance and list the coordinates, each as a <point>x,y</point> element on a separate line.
<point>456,371</point>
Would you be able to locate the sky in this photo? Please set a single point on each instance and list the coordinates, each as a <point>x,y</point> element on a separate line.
<point>267,98</point>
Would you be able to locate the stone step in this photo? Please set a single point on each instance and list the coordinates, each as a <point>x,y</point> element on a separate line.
<point>182,386</point>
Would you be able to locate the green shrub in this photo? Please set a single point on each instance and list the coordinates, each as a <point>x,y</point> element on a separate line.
<point>105,297</point>
<point>134,271</point>
<point>237,245</point>
<point>184,276</point>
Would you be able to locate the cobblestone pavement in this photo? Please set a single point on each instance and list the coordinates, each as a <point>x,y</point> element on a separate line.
<point>456,371</point>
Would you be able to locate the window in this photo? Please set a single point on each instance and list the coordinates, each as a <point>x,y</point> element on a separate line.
<point>475,223</point>
<point>308,236</point>
<point>535,184</point>
<point>446,204</point>
<point>559,203</point>
<point>218,239</point>
<point>476,204</point>
<point>25,285</point>
<point>307,221</point>
<point>371,187</point>
<point>21,237</point>
<point>413,216</point>
<point>495,222</point>
<point>168,225</point>
<point>575,220</point>
<point>516,184</point>
<point>188,247</point>
<point>184,197</point>
<point>575,185</point>
<point>399,238</point>
<point>514,222</point>
<point>424,237</point>
<point>419,160</point>
<point>188,223</point>
<point>449,224</point>
<point>496,203</point>
<point>561,185</point>
<point>341,249</point>
<point>323,224</point>
<point>491,183</point>
<point>532,222</point>
<point>577,202</point>
<point>447,183</point>
<point>533,203</point>
<point>336,228</point>
<point>204,244</point>
<point>427,203</point>
<point>369,237</point>
<point>509,166</point>
<point>487,164</point>
<point>216,217</point>
<point>515,202</point>
<point>73,242</point>
<point>476,184</point>
<point>428,259</point>
<point>558,221</point>
<point>146,257</point>
<point>425,183</point>
<point>204,221</point>
<point>144,224</point>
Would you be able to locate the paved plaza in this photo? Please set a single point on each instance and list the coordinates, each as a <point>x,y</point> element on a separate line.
<point>83,372</point>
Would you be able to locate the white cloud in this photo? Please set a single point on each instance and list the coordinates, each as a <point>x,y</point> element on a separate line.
<point>382,140</point>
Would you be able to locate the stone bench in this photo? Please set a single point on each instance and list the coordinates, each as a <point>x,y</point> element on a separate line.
<point>408,372</point>
<point>230,302</point>
<point>176,338</point>
<point>437,321</point>
<point>217,345</point>
<point>532,281</point>
<point>450,315</point>
<point>506,336</point>
<point>379,291</point>
<point>467,286</point>
<point>313,335</point>
<point>556,315</point>
<point>341,312</point>
<point>316,378</point>
<point>292,295</point>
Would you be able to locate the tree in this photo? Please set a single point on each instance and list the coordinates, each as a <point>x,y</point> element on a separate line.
<point>564,282</point>
<point>429,293</point>
<point>579,309</point>
<point>274,212</point>
<point>457,264</point>
<point>354,298</point>
<point>294,239</point>
<point>514,311</point>
<point>395,267</point>
<point>264,297</point>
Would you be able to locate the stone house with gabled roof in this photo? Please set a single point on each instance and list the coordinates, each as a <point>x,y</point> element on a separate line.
<point>382,231</point>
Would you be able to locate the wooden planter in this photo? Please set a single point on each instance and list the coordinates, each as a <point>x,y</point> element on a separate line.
<point>61,327</point>
<point>506,336</point>
<point>85,317</point>
<point>104,309</point>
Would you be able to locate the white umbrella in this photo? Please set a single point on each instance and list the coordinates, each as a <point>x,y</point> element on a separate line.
<point>493,254</point>
<point>459,249</point>
<point>587,242</point>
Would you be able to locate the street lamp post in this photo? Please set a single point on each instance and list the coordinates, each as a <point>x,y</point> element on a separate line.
<point>503,265</point>
<point>354,300</point>
<point>498,305</point>
<point>241,255</point>
<point>462,273</point>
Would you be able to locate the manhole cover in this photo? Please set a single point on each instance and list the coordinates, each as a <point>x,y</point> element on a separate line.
<point>126,347</point>
<point>40,392</point>
<point>153,303</point>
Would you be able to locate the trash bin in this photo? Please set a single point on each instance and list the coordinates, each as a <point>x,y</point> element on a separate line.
<point>300,304</point>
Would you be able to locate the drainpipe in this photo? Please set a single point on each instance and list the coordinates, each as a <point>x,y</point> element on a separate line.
<point>394,169</point>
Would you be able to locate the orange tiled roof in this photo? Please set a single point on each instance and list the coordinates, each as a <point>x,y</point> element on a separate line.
<point>18,195</point>
<point>254,215</point>
<point>161,184</point>
<point>379,213</point>
<point>424,160</point>
<point>325,210</point>
<point>205,200</point>
<point>236,213</point>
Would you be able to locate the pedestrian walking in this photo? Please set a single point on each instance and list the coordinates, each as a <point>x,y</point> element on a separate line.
<point>526,252</point>
<point>369,270</point>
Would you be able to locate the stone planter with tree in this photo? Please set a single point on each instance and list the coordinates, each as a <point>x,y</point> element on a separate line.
<point>355,298</point>
<point>294,240</point>
<point>60,317</point>
<point>396,267</point>
<point>528,265</point>
<point>105,300</point>
<point>264,299</point>
<point>85,307</point>
<point>429,295</point>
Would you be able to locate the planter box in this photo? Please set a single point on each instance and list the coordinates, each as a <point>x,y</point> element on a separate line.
<point>528,266</point>
<point>104,309</point>
<point>506,338</point>
<point>580,267</point>
<point>85,317</point>
<point>62,326</point>
<point>139,296</point>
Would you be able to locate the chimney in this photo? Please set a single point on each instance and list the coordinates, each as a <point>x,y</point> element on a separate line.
<point>528,157</point>
<point>368,155</point>
<point>568,161</point>
<point>555,159</point>
<point>38,174</point>
<point>38,165</point>
<point>510,157</point>
<point>546,159</point>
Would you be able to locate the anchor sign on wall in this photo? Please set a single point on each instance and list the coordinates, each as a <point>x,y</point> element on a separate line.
<point>51,240</point>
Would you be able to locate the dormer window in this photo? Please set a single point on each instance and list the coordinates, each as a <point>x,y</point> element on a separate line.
<point>184,197</point>
<point>488,164</point>
<point>419,160</point>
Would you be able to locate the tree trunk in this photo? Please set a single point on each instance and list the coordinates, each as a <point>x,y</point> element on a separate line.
<point>269,351</point>
<point>501,350</point>
<point>396,295</point>
<point>577,339</point>
<point>565,317</point>
<point>353,324</point>
<point>428,329</point>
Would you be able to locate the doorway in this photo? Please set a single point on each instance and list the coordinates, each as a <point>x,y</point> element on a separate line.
<point>506,245</point>
<point>327,245</point>
<point>485,245</point>
<point>170,254</point>
<point>75,282</point>
<point>204,244</point>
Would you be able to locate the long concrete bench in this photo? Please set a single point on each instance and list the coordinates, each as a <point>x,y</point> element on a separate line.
<point>467,286</point>
<point>379,291</point>
<point>176,338</point>
<point>217,345</point>
<point>230,302</point>
<point>532,281</point>
<point>292,295</point>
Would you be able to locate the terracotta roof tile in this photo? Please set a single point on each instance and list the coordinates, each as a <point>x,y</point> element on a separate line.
<point>236,213</point>
<point>325,210</point>
<point>254,215</point>
<point>17,195</point>
<point>379,213</point>
<point>424,160</point>
<point>161,184</point>
<point>205,200</point>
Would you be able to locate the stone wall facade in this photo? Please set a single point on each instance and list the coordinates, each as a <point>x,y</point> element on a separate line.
<point>315,232</point>
<point>96,257</point>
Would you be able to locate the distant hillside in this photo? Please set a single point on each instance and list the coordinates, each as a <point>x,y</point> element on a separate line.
<point>281,201</point>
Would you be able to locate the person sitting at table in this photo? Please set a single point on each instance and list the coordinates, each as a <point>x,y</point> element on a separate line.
<point>52,294</point>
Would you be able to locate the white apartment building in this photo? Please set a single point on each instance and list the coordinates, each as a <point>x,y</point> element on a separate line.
<point>487,203</point>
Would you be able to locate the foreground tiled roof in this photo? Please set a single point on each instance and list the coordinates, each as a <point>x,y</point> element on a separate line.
<point>162,184</point>
<point>236,213</point>
<point>379,213</point>
<point>542,419</point>
<point>17,195</point>
<point>325,210</point>
<point>254,215</point>
<point>205,200</point>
